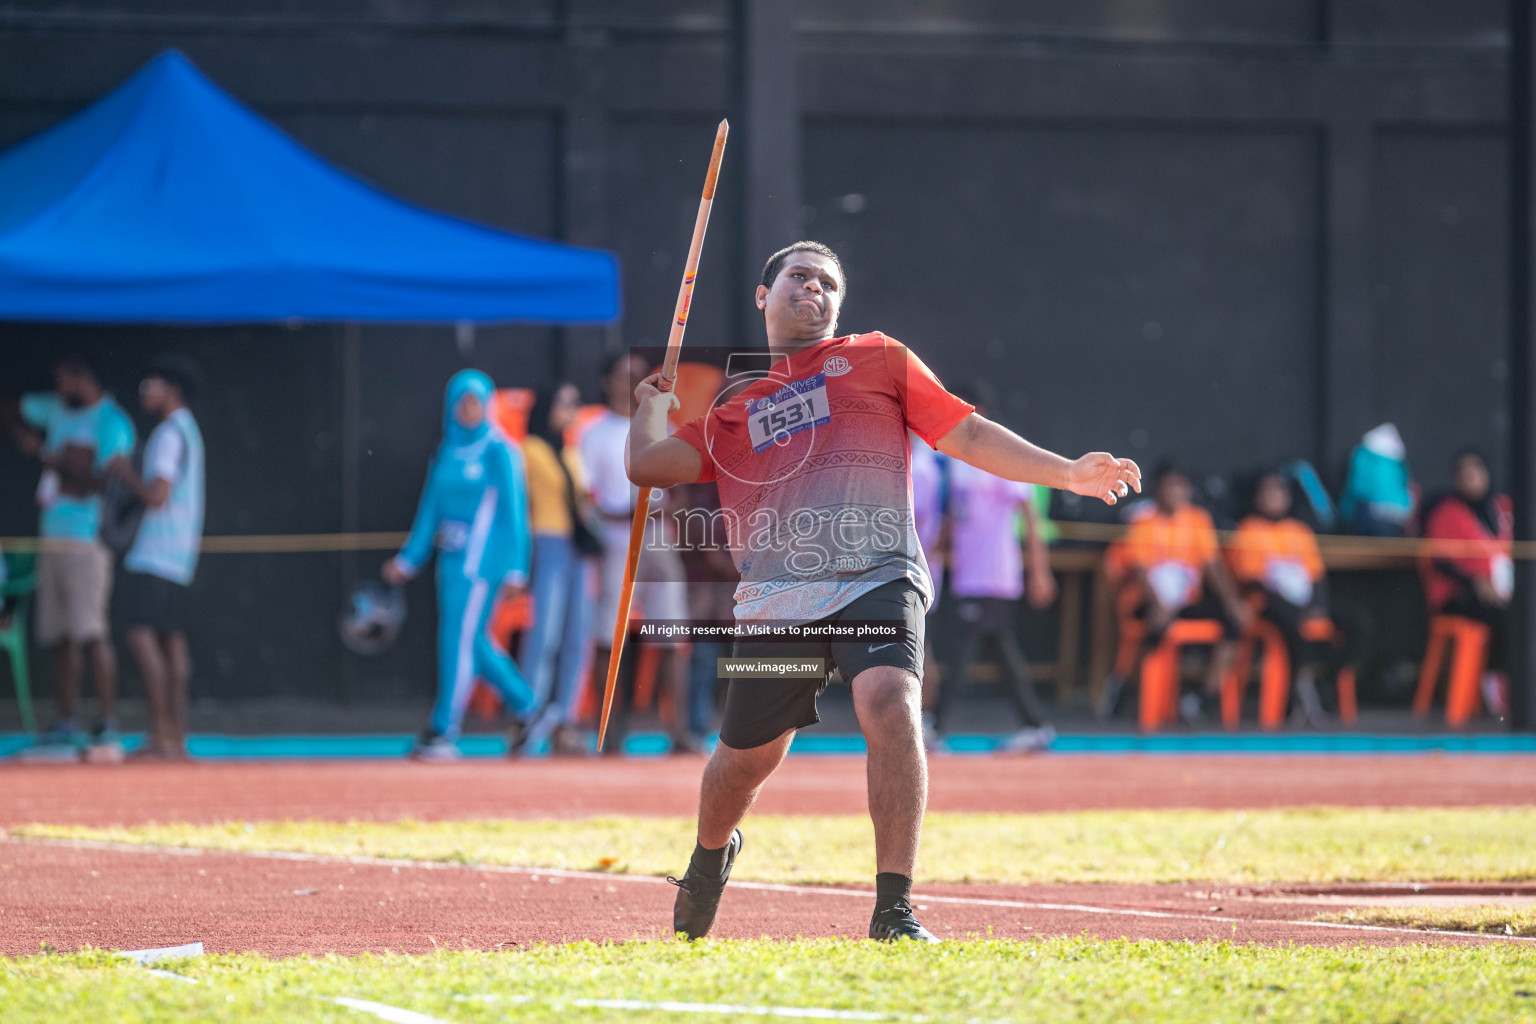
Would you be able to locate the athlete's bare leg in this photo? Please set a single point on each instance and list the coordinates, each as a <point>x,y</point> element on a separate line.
<point>731,782</point>
<point>145,646</point>
<point>104,673</point>
<point>66,678</point>
<point>178,663</point>
<point>888,700</point>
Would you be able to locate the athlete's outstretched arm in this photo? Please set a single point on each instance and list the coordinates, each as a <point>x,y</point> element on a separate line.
<point>654,459</point>
<point>992,447</point>
<point>418,546</point>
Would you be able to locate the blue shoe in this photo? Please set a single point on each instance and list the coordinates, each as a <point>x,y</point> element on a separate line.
<point>60,734</point>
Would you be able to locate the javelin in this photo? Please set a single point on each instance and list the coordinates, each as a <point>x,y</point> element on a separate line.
<point>668,377</point>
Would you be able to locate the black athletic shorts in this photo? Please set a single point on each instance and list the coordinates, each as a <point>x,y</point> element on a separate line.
<point>156,602</point>
<point>759,711</point>
<point>1208,607</point>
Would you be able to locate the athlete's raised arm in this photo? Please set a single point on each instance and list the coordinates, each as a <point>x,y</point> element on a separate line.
<point>656,460</point>
<point>1001,452</point>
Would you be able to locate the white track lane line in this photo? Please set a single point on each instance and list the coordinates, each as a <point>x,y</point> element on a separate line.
<point>394,1014</point>
<point>669,1006</point>
<point>798,890</point>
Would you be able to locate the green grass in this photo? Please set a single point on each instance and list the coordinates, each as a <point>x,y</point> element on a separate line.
<point>1292,845</point>
<point>1056,980</point>
<point>1486,918</point>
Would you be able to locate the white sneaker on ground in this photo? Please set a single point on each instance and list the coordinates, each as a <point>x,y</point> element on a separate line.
<point>436,750</point>
<point>1029,741</point>
<point>1496,694</point>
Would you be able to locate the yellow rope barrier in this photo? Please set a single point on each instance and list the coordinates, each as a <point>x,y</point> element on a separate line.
<point>1364,548</point>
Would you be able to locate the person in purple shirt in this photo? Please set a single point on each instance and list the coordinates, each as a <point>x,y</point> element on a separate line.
<point>987,576</point>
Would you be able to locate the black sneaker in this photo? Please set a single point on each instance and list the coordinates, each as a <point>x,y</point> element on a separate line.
<point>897,923</point>
<point>698,899</point>
<point>517,738</point>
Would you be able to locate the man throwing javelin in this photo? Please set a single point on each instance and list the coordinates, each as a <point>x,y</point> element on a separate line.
<point>812,466</point>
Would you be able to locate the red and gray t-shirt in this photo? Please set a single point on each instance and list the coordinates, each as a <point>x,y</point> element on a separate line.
<point>813,468</point>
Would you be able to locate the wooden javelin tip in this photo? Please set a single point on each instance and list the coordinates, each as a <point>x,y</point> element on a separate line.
<point>714,159</point>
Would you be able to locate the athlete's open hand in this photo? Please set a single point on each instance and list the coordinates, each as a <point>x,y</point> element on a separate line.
<point>1101,475</point>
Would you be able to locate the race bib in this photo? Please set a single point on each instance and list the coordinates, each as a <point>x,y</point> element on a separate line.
<point>1290,579</point>
<point>1502,576</point>
<point>48,488</point>
<point>452,535</point>
<point>798,405</point>
<point>1173,583</point>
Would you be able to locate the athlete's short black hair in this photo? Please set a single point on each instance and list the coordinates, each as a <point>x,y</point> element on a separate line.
<point>776,262</point>
<point>78,364</point>
<point>177,369</point>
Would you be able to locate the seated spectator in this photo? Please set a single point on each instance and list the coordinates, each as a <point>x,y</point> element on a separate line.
<point>1167,568</point>
<point>1473,576</point>
<point>1277,564</point>
<point>1379,492</point>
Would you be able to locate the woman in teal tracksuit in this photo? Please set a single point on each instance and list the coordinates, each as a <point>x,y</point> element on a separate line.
<point>475,508</point>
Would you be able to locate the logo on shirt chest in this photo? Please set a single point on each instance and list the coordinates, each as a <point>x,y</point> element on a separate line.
<point>836,366</point>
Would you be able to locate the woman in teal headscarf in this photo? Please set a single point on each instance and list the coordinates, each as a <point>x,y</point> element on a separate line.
<point>474,510</point>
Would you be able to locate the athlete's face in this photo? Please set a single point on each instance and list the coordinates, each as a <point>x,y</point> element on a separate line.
<point>803,303</point>
<point>1472,478</point>
<point>562,407</point>
<point>469,412</point>
<point>154,394</point>
<point>1173,492</point>
<point>1273,497</point>
<point>619,386</point>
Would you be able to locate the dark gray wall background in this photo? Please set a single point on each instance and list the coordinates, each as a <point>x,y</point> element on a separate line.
<point>1224,233</point>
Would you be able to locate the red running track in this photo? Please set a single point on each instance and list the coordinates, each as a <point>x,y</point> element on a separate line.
<point>389,790</point>
<point>70,896</point>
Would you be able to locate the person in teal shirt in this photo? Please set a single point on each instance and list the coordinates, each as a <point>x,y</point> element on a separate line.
<point>474,510</point>
<point>75,431</point>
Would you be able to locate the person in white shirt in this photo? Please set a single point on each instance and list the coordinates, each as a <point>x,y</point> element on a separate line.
<point>163,559</point>
<point>661,588</point>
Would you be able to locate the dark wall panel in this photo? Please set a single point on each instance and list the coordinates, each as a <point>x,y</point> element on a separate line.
<point>1150,292</point>
<point>1441,283</point>
<point>656,172</point>
<point>496,168</point>
<point>1285,20</point>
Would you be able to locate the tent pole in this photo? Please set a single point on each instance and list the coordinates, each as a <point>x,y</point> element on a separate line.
<point>350,409</point>
<point>1522,333</point>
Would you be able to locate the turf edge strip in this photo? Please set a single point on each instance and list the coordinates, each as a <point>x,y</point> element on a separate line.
<point>799,890</point>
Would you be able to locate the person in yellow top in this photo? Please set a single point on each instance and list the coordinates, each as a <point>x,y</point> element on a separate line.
<point>558,645</point>
<point>1276,561</point>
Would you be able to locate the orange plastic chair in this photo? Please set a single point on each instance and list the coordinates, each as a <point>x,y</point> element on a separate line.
<point>1275,675</point>
<point>1462,698</point>
<point>1160,670</point>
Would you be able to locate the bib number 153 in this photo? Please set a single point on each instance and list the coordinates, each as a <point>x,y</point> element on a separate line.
<point>796,406</point>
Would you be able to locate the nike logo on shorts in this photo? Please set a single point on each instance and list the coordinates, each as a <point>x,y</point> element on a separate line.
<point>873,648</point>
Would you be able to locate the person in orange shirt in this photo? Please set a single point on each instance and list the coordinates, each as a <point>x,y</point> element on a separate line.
<point>1168,568</point>
<point>1280,570</point>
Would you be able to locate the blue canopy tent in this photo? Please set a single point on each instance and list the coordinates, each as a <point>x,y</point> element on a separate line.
<point>168,201</point>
